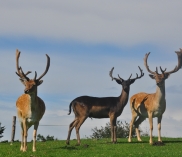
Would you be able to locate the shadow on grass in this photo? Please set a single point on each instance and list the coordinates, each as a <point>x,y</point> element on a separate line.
<point>75,147</point>
<point>67,147</point>
<point>123,142</point>
<point>172,141</point>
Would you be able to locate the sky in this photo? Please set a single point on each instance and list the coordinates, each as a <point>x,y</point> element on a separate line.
<point>84,40</point>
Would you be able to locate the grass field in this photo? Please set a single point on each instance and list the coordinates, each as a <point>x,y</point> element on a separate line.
<point>97,148</point>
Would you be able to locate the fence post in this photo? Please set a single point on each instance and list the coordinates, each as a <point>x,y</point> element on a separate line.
<point>13,129</point>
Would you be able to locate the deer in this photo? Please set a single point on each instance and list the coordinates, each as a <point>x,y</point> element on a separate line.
<point>30,107</point>
<point>101,107</point>
<point>151,105</point>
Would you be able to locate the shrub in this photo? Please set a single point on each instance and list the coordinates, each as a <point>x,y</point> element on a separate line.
<point>122,131</point>
<point>50,138</point>
<point>43,139</point>
<point>1,130</point>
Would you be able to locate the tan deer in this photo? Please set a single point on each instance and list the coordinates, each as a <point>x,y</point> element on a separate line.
<point>30,108</point>
<point>105,107</point>
<point>144,105</point>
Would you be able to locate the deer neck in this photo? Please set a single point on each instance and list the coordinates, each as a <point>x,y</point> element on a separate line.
<point>123,98</point>
<point>160,93</point>
<point>33,97</point>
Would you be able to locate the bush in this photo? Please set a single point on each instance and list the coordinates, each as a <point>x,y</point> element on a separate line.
<point>43,139</point>
<point>1,130</point>
<point>122,131</point>
<point>50,138</point>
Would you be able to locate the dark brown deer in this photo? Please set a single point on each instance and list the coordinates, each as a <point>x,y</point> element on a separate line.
<point>145,105</point>
<point>106,107</point>
<point>30,108</point>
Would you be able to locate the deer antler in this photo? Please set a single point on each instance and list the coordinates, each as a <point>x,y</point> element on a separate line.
<point>24,74</point>
<point>120,78</point>
<point>113,78</point>
<point>35,76</point>
<point>156,71</point>
<point>146,65</point>
<point>47,68</point>
<point>130,77</point>
<point>20,72</point>
<point>163,71</point>
<point>141,74</point>
<point>179,54</point>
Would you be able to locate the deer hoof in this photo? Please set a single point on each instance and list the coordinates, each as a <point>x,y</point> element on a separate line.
<point>24,150</point>
<point>21,148</point>
<point>151,142</point>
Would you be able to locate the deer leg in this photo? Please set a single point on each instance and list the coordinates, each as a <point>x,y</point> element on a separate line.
<point>134,116</point>
<point>77,127</point>
<point>22,139</point>
<point>71,126</point>
<point>34,136</point>
<point>159,128</point>
<point>151,127</point>
<point>115,133</point>
<point>113,129</point>
<point>25,130</point>
<point>136,124</point>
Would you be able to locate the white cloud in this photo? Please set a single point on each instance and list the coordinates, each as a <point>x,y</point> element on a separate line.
<point>118,22</point>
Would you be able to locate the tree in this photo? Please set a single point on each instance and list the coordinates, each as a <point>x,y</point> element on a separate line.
<point>43,139</point>
<point>122,131</point>
<point>50,138</point>
<point>1,130</point>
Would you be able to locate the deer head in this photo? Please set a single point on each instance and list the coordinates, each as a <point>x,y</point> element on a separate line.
<point>30,84</point>
<point>126,83</point>
<point>160,78</point>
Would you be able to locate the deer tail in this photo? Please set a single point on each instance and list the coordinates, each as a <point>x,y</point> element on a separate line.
<point>70,108</point>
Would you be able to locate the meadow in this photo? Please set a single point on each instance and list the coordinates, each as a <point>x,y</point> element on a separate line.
<point>96,148</point>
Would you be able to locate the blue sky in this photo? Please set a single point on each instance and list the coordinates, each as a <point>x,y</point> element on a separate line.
<point>84,41</point>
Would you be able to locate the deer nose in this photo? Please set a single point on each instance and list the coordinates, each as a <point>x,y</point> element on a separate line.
<point>26,91</point>
<point>158,83</point>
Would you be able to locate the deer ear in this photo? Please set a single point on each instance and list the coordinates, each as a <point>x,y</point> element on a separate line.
<point>167,76</point>
<point>132,81</point>
<point>39,82</point>
<point>118,81</point>
<point>151,76</point>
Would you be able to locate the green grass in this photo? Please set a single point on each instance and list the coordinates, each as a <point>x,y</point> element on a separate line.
<point>97,148</point>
